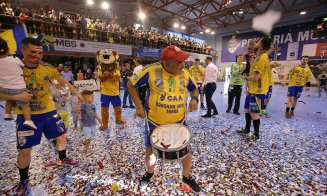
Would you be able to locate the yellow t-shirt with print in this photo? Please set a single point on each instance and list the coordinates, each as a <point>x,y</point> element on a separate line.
<point>261,65</point>
<point>299,75</point>
<point>196,74</point>
<point>37,81</point>
<point>167,97</point>
<point>110,87</point>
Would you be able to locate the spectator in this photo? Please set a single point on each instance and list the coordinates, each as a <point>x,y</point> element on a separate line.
<point>60,68</point>
<point>127,74</point>
<point>67,74</point>
<point>88,74</point>
<point>80,75</point>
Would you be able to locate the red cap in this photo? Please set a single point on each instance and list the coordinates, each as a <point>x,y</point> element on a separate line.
<point>173,53</point>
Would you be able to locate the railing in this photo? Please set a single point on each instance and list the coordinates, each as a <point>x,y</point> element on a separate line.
<point>56,29</point>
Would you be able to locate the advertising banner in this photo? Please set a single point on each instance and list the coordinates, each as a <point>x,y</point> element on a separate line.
<point>149,52</point>
<point>86,85</point>
<point>286,38</point>
<point>71,45</point>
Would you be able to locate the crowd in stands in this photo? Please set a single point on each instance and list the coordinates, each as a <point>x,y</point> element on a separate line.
<point>49,21</point>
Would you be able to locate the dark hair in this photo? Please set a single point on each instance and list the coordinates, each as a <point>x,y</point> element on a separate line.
<point>304,56</point>
<point>196,59</point>
<point>31,41</point>
<point>209,58</point>
<point>3,47</point>
<point>139,61</point>
<point>266,42</point>
<point>237,56</point>
<point>87,92</point>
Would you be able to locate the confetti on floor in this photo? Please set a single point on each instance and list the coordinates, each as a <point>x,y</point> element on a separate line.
<point>289,158</point>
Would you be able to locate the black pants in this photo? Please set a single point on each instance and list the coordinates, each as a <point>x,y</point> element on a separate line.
<point>142,93</point>
<point>208,91</point>
<point>236,93</point>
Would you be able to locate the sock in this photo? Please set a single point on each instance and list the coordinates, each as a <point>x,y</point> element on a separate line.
<point>287,109</point>
<point>292,109</point>
<point>62,154</point>
<point>256,125</point>
<point>23,173</point>
<point>248,121</point>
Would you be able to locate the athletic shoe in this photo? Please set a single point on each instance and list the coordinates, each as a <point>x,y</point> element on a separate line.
<point>291,113</point>
<point>206,116</point>
<point>145,180</point>
<point>66,161</point>
<point>190,181</point>
<point>203,107</point>
<point>131,106</point>
<point>125,106</point>
<point>22,188</point>
<point>215,113</point>
<point>29,124</point>
<point>263,112</point>
<point>243,131</point>
<point>228,111</point>
<point>253,138</point>
<point>287,115</point>
<point>8,117</point>
<point>237,113</point>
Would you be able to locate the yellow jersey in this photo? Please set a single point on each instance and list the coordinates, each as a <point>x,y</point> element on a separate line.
<point>299,75</point>
<point>38,82</point>
<point>196,74</point>
<point>167,98</point>
<point>110,87</point>
<point>261,65</point>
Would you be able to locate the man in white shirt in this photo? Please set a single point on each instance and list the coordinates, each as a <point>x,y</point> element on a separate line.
<point>141,90</point>
<point>209,83</point>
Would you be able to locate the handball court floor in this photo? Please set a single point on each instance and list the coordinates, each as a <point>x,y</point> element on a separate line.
<point>289,158</point>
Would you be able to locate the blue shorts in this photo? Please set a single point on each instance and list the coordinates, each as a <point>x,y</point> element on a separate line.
<point>254,102</point>
<point>89,132</point>
<point>106,99</point>
<point>295,91</point>
<point>269,93</point>
<point>147,133</point>
<point>201,91</point>
<point>50,124</point>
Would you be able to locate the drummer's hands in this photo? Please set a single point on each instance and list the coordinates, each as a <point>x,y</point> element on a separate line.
<point>140,112</point>
<point>192,105</point>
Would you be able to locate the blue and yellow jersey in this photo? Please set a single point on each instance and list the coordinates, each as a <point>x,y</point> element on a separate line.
<point>196,74</point>
<point>110,87</point>
<point>167,98</point>
<point>299,75</point>
<point>260,65</point>
<point>38,82</point>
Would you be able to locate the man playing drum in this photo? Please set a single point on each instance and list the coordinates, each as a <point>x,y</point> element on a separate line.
<point>167,83</point>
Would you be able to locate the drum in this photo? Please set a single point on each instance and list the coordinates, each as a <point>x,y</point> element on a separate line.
<point>171,141</point>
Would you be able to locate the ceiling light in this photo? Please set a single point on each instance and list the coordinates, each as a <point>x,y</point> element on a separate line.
<point>105,5</point>
<point>90,2</point>
<point>207,31</point>
<point>142,15</point>
<point>212,32</point>
<point>201,32</point>
<point>183,27</point>
<point>302,12</point>
<point>176,25</point>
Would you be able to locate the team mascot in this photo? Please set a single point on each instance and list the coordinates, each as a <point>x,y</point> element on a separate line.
<point>109,76</point>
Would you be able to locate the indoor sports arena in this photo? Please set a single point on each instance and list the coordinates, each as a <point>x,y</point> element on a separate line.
<point>163,97</point>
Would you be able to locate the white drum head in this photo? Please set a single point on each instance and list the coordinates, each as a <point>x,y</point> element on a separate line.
<point>170,137</point>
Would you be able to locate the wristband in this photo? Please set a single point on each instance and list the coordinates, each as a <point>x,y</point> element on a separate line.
<point>140,106</point>
<point>195,98</point>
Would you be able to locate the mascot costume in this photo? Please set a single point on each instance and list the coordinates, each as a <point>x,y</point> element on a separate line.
<point>109,76</point>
